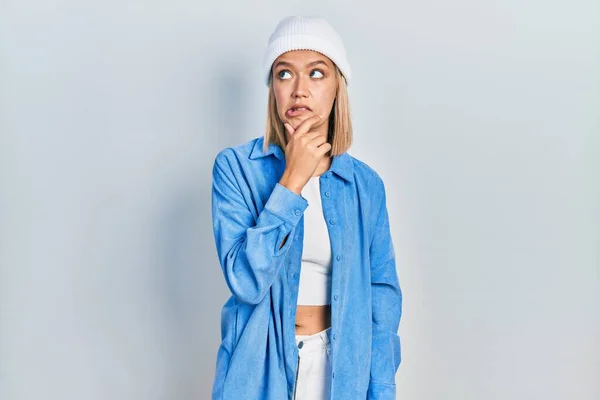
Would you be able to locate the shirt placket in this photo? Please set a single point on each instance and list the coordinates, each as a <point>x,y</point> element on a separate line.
<point>332,199</point>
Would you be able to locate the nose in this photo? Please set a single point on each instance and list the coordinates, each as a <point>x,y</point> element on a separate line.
<point>300,87</point>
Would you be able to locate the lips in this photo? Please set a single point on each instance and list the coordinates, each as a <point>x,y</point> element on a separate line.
<point>297,109</point>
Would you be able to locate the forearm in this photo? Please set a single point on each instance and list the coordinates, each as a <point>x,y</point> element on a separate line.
<point>251,250</point>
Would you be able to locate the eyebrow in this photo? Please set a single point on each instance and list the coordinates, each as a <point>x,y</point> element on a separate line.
<point>310,64</point>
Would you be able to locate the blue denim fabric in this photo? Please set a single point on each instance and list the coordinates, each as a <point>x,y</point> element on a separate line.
<point>252,214</point>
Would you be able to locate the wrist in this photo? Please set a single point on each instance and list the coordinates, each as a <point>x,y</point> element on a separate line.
<point>290,184</point>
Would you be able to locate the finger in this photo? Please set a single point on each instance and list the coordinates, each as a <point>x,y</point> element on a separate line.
<point>308,137</point>
<point>323,149</point>
<point>317,139</point>
<point>307,124</point>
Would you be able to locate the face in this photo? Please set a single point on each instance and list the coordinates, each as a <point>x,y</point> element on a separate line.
<point>304,84</point>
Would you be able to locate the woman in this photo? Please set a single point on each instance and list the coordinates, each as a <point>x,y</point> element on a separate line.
<point>303,239</point>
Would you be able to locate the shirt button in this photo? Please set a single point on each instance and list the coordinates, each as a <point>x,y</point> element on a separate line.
<point>300,344</point>
<point>335,297</point>
<point>297,212</point>
<point>334,336</point>
<point>332,221</point>
<point>334,375</point>
<point>338,257</point>
<point>326,194</point>
<point>328,174</point>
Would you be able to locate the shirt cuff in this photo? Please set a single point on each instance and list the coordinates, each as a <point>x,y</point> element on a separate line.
<point>286,204</point>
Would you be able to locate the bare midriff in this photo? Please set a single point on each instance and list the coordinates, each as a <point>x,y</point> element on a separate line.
<point>312,319</point>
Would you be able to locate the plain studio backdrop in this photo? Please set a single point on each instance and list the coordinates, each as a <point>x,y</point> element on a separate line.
<point>482,117</point>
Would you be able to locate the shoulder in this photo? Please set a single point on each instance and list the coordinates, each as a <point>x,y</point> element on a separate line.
<point>230,160</point>
<point>367,176</point>
<point>241,151</point>
<point>370,188</point>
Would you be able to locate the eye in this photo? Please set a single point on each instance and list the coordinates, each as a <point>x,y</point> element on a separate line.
<point>320,72</point>
<point>279,74</point>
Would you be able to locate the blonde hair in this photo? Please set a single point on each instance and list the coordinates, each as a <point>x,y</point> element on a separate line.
<point>340,123</point>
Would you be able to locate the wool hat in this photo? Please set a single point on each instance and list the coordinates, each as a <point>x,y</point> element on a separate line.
<point>306,33</point>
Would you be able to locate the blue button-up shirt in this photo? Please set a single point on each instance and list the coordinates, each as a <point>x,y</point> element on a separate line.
<point>252,215</point>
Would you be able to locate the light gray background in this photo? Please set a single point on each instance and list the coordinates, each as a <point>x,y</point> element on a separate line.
<point>482,118</point>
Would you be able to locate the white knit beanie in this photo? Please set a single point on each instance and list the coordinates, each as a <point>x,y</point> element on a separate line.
<point>306,33</point>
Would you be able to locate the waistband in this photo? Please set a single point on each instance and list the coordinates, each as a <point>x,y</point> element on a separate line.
<point>316,341</point>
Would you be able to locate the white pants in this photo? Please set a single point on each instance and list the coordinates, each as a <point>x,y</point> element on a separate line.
<point>314,370</point>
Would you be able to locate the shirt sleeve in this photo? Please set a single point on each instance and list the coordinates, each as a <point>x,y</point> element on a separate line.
<point>249,247</point>
<point>386,303</point>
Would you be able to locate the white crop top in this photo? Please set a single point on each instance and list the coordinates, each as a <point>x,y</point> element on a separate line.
<point>315,273</point>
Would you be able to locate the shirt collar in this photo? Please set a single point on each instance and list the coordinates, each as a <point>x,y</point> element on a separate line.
<point>341,164</point>
<point>257,150</point>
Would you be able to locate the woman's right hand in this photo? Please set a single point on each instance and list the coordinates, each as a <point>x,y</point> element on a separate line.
<point>303,153</point>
